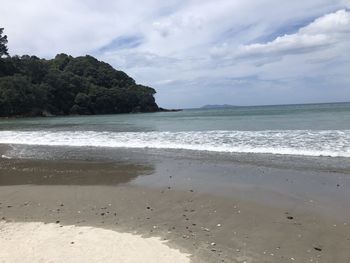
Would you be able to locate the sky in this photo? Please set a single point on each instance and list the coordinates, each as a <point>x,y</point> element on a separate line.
<point>197,52</point>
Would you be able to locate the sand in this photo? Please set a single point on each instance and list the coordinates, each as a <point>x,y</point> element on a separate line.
<point>210,209</point>
<point>39,242</point>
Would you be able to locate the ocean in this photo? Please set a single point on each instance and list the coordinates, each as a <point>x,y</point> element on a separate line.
<point>302,130</point>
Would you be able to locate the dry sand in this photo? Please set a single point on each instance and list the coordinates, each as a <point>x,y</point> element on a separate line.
<point>39,242</point>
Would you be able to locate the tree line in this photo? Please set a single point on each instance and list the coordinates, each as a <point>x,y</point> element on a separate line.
<point>31,86</point>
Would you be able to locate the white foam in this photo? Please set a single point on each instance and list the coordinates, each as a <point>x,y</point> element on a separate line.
<point>335,143</point>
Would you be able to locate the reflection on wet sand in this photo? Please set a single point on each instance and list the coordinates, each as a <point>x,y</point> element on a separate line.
<point>35,172</point>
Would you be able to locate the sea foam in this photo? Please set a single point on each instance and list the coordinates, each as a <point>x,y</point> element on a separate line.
<point>334,143</point>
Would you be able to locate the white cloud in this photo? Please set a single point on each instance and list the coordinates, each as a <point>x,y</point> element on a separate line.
<point>286,44</point>
<point>332,24</point>
<point>323,32</point>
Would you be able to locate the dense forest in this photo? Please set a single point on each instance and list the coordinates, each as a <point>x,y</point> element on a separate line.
<point>30,86</point>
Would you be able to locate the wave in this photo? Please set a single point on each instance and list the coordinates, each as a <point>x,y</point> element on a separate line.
<point>334,143</point>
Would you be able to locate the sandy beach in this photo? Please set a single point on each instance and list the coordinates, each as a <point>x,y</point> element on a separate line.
<point>231,217</point>
<point>175,131</point>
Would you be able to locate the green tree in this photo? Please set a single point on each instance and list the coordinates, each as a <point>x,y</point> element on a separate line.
<point>16,96</point>
<point>3,44</point>
<point>30,86</point>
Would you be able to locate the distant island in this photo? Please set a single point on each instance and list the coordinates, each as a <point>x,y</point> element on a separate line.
<point>217,106</point>
<point>30,86</point>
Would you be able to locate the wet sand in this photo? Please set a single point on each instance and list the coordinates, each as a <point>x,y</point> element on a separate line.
<point>214,209</point>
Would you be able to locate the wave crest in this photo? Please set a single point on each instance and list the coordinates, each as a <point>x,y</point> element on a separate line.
<point>335,143</point>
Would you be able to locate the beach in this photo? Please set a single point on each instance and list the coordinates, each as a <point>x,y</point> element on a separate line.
<point>207,207</point>
<point>175,131</point>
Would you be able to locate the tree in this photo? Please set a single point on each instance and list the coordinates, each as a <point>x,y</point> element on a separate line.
<point>30,86</point>
<point>3,43</point>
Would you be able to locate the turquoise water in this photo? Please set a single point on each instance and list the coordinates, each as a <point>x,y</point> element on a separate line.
<point>314,130</point>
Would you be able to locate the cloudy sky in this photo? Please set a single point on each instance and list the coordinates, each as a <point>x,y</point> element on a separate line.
<point>195,52</point>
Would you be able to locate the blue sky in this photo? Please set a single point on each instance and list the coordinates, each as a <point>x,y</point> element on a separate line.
<point>196,52</point>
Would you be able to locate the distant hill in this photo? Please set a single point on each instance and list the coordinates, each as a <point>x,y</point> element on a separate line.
<point>30,86</point>
<point>218,106</point>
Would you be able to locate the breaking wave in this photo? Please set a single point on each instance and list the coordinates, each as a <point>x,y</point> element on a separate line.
<point>334,143</point>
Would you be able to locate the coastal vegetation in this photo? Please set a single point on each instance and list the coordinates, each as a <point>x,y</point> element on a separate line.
<point>32,86</point>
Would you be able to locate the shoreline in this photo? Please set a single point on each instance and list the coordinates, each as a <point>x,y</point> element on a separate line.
<point>231,217</point>
<point>50,115</point>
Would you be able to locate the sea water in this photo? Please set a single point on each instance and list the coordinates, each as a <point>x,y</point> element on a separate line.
<point>308,129</point>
